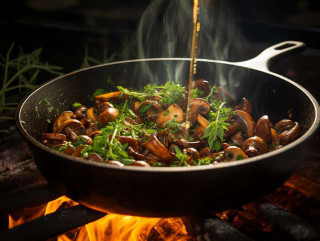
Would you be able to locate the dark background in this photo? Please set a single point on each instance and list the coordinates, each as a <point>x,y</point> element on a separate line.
<point>65,29</point>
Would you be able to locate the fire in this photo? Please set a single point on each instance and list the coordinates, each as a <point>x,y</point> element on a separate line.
<point>110,227</point>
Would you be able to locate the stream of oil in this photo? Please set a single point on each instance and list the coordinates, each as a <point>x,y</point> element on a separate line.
<point>193,63</point>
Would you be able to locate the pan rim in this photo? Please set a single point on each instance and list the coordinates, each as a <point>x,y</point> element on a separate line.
<point>300,140</point>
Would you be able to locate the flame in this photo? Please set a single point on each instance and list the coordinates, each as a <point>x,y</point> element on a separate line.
<point>110,227</point>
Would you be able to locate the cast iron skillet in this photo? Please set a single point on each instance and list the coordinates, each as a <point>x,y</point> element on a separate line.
<point>179,191</point>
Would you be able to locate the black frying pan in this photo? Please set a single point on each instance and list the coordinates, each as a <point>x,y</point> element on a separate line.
<point>165,191</point>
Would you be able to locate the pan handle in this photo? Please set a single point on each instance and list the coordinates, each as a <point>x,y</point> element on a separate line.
<point>273,55</point>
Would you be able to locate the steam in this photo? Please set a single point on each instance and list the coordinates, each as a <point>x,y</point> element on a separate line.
<point>165,31</point>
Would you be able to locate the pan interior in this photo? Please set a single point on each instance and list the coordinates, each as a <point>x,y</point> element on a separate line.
<point>269,95</point>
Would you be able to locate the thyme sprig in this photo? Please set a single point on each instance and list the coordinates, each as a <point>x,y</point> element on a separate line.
<point>218,125</point>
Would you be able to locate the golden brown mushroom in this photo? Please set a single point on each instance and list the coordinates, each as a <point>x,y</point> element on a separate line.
<point>108,115</point>
<point>283,125</point>
<point>275,138</point>
<point>203,85</point>
<point>111,96</point>
<point>64,116</point>
<point>290,135</point>
<point>174,112</point>
<point>263,128</point>
<point>104,105</point>
<point>242,122</point>
<point>254,146</point>
<point>198,106</point>
<point>92,114</point>
<point>233,153</point>
<point>80,112</point>
<point>159,150</point>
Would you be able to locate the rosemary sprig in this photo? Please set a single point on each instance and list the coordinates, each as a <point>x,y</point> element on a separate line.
<point>19,74</point>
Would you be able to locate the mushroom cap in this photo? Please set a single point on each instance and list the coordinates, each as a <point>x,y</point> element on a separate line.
<point>140,164</point>
<point>80,111</point>
<point>233,153</point>
<point>198,106</point>
<point>254,146</point>
<point>104,105</point>
<point>54,137</point>
<point>203,85</point>
<point>263,128</point>
<point>174,112</point>
<point>64,116</point>
<point>74,124</point>
<point>247,124</point>
<point>283,125</point>
<point>92,114</point>
<point>108,115</point>
<point>290,135</point>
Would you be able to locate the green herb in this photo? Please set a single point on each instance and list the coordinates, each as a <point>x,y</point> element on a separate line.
<point>239,157</point>
<point>173,126</point>
<point>170,92</point>
<point>144,108</point>
<point>218,125</point>
<point>196,93</point>
<point>19,74</point>
<point>204,161</point>
<point>182,158</point>
<point>76,105</point>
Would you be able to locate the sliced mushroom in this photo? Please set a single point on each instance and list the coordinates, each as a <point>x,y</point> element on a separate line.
<point>73,124</point>
<point>263,128</point>
<point>154,108</point>
<point>54,137</point>
<point>254,146</point>
<point>243,122</point>
<point>111,96</point>
<point>198,106</point>
<point>92,114</point>
<point>159,150</point>
<point>217,157</point>
<point>245,106</point>
<point>85,122</point>
<point>233,153</point>
<point>283,125</point>
<point>64,116</point>
<point>290,135</point>
<point>203,121</point>
<point>199,132</point>
<point>108,115</point>
<point>174,112</point>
